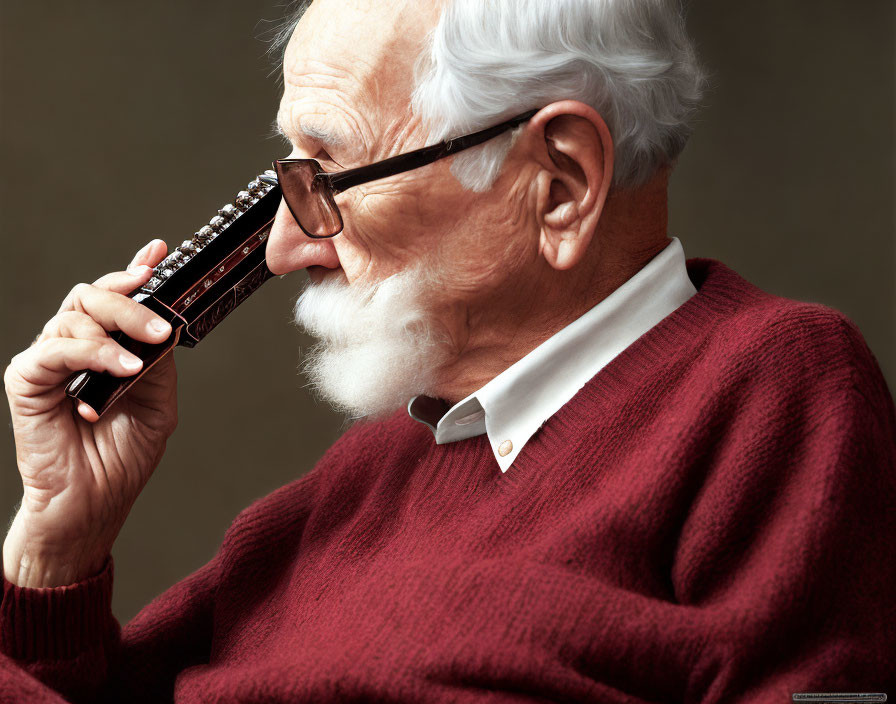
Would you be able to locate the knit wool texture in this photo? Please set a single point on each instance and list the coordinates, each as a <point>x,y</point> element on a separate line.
<point>710,519</point>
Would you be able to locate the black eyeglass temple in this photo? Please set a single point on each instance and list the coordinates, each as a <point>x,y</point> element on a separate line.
<point>341,180</point>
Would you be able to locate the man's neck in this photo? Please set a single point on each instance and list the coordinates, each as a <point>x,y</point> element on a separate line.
<point>512,323</point>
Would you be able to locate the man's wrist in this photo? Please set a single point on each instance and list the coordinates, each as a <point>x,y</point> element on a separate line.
<point>34,565</point>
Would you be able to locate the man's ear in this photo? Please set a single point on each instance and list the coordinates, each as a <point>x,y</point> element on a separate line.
<point>572,144</point>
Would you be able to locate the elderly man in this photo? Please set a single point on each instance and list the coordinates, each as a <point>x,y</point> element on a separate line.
<point>591,471</point>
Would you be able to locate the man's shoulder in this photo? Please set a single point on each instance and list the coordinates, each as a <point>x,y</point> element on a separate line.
<point>734,370</point>
<point>755,335</point>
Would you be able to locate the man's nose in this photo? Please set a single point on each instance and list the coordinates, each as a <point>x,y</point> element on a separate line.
<point>290,249</point>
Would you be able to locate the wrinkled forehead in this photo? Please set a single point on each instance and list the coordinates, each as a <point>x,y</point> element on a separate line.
<point>352,61</point>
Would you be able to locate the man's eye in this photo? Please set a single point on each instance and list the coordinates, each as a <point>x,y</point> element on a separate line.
<point>329,163</point>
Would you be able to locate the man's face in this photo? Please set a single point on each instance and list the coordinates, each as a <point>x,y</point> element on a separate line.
<point>348,74</point>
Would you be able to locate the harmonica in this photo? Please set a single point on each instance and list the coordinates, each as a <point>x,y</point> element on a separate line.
<point>196,286</point>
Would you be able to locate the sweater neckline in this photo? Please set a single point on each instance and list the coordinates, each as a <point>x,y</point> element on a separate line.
<point>721,292</point>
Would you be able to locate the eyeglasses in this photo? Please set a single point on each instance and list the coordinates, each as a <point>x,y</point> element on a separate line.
<point>310,192</point>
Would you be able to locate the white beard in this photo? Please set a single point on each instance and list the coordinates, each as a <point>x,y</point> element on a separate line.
<point>377,346</point>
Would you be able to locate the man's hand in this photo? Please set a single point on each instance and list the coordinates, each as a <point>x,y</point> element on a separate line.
<point>81,474</point>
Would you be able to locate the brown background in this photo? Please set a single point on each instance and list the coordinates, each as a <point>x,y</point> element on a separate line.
<point>124,121</point>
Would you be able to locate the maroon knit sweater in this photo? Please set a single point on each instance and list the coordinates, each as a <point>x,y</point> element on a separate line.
<point>710,519</point>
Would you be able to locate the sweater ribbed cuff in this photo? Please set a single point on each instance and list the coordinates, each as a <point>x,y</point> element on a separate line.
<point>56,623</point>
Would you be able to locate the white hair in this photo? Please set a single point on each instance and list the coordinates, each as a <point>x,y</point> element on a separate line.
<point>377,345</point>
<point>488,60</point>
<point>631,60</point>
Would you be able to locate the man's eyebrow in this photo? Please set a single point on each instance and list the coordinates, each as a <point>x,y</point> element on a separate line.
<point>314,131</point>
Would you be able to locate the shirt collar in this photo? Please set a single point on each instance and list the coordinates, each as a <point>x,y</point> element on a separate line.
<point>517,402</point>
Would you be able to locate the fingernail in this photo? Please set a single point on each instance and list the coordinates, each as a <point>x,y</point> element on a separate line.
<point>138,270</point>
<point>159,325</point>
<point>87,412</point>
<point>129,361</point>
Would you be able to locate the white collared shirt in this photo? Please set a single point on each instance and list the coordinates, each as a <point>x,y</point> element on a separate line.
<point>517,402</point>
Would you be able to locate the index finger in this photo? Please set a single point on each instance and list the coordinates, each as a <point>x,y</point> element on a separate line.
<point>114,311</point>
<point>151,254</point>
<point>138,272</point>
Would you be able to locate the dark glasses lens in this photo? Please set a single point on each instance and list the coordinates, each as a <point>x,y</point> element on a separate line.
<point>310,199</point>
